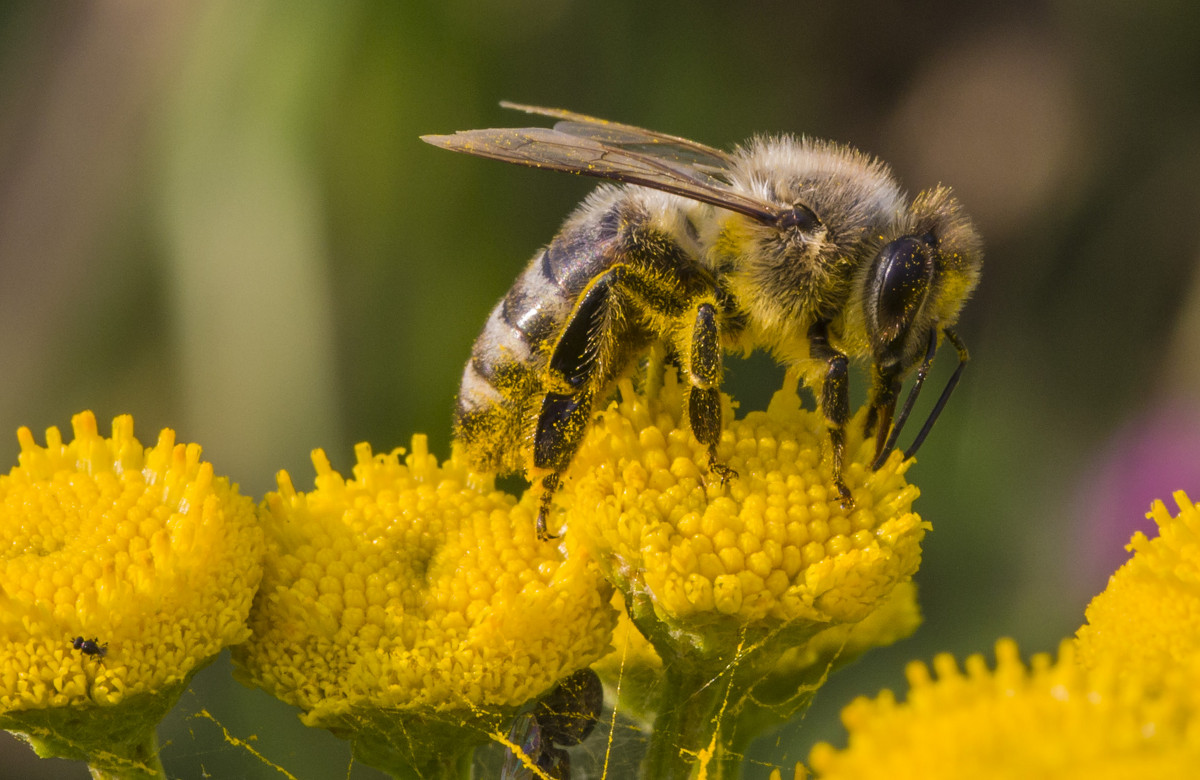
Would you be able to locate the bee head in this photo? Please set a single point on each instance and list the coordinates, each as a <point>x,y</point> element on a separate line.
<point>921,279</point>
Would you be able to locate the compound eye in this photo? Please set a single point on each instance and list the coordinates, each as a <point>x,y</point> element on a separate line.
<point>799,216</point>
<point>898,285</point>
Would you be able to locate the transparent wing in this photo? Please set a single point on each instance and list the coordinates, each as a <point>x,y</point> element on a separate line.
<point>612,151</point>
<point>704,159</point>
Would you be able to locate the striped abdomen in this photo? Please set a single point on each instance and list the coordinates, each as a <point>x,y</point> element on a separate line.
<point>504,382</point>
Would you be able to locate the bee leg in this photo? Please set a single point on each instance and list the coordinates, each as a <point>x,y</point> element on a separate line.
<point>963,357</point>
<point>549,488</point>
<point>704,393</point>
<point>835,399</point>
<point>575,362</point>
<point>561,425</point>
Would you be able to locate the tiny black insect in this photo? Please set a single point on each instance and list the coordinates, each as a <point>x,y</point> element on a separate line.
<point>90,646</point>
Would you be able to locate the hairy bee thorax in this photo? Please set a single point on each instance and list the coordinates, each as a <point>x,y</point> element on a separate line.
<point>789,275</point>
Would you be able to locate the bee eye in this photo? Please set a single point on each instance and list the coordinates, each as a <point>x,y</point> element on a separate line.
<point>898,284</point>
<point>799,216</point>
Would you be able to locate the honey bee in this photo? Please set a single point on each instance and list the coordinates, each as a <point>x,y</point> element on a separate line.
<point>805,248</point>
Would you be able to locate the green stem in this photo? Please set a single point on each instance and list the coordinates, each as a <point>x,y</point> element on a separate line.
<point>692,733</point>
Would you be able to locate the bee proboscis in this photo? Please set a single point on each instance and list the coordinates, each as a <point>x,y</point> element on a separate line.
<point>805,248</point>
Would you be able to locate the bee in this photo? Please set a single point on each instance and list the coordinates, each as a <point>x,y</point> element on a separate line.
<point>807,249</point>
<point>90,646</point>
<point>563,717</point>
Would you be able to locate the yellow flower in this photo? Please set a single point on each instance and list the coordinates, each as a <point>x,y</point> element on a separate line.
<point>730,583</point>
<point>1047,720</point>
<point>1147,620</point>
<point>413,609</point>
<point>774,546</point>
<point>125,570</point>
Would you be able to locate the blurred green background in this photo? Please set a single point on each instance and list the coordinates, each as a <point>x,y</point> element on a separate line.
<point>218,217</point>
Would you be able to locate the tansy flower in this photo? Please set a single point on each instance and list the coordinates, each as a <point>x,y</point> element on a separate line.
<point>413,610</point>
<point>726,580</point>
<point>1147,621</point>
<point>1050,720</point>
<point>125,570</point>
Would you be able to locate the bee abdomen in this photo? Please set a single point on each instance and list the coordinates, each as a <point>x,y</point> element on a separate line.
<point>498,400</point>
<point>509,375</point>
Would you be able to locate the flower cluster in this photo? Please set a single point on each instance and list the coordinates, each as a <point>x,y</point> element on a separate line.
<point>412,609</point>
<point>125,570</point>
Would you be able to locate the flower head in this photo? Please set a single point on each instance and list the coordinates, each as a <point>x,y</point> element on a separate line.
<point>413,608</point>
<point>735,585</point>
<point>1050,719</point>
<point>1147,621</point>
<point>125,569</point>
<point>774,547</point>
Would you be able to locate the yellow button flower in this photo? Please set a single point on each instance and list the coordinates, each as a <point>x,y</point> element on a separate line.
<point>125,570</point>
<point>730,582</point>
<point>775,545</point>
<point>1048,720</point>
<point>413,610</point>
<point>1147,621</point>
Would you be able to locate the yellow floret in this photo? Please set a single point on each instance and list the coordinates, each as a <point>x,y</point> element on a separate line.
<point>1147,621</point>
<point>413,599</point>
<point>141,549</point>
<point>1050,720</point>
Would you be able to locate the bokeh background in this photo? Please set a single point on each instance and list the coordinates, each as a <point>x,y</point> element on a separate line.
<point>218,217</point>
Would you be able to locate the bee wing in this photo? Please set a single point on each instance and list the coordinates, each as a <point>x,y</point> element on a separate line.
<point>540,147</point>
<point>702,158</point>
